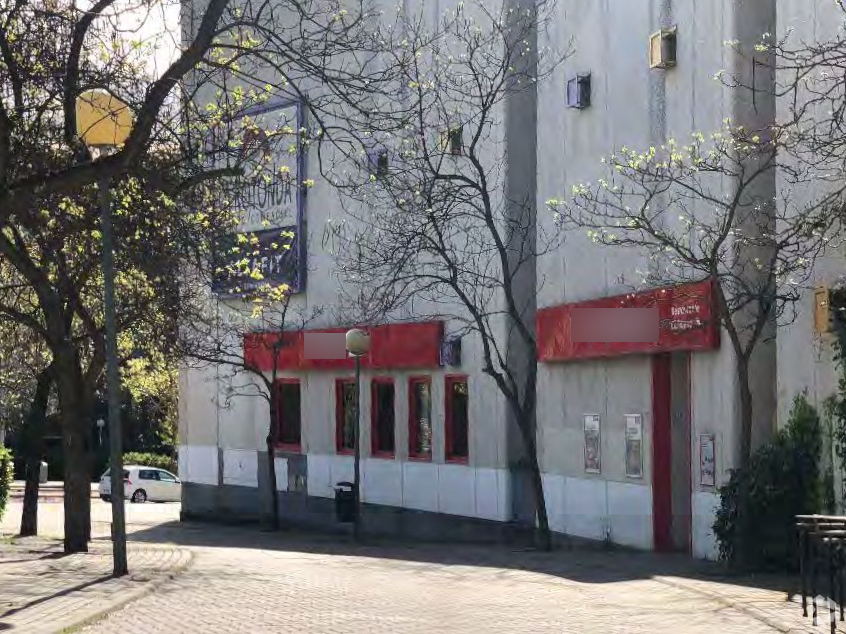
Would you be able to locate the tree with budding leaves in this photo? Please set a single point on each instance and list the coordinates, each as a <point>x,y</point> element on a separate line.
<point>696,212</point>
<point>190,93</point>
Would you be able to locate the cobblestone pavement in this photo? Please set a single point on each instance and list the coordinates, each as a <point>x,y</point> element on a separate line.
<point>245,581</point>
<point>42,591</point>
<point>268,584</point>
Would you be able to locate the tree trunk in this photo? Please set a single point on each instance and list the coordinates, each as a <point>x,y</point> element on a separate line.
<point>77,489</point>
<point>34,449</point>
<point>76,420</point>
<point>745,411</point>
<point>543,537</point>
<point>271,469</point>
<point>743,502</point>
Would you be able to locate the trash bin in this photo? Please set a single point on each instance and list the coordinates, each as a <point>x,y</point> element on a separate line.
<point>345,502</point>
<point>42,472</point>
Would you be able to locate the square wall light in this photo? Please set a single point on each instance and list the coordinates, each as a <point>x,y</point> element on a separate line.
<point>578,91</point>
<point>662,48</point>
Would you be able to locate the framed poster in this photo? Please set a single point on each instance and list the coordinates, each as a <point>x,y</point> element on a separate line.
<point>634,446</point>
<point>593,444</point>
<point>269,197</point>
<point>707,461</point>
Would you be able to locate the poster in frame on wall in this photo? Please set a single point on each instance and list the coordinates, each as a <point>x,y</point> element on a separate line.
<point>634,446</point>
<point>593,444</point>
<point>707,460</point>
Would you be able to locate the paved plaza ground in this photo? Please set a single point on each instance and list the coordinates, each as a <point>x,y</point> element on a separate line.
<point>205,578</point>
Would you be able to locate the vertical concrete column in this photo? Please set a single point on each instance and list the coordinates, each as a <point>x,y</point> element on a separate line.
<point>521,121</point>
<point>755,110</point>
<point>661,17</point>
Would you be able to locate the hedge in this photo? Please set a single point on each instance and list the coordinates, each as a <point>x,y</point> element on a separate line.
<point>159,461</point>
<point>782,480</point>
<point>6,477</point>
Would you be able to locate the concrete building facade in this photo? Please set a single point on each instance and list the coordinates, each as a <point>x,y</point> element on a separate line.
<point>633,442</point>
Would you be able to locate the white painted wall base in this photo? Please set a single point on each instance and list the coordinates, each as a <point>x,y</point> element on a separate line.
<point>583,507</point>
<point>198,464</point>
<point>240,467</point>
<point>592,508</point>
<point>281,474</point>
<point>705,506</point>
<point>439,488</point>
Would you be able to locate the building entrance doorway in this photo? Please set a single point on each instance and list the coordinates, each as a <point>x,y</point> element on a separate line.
<point>671,467</point>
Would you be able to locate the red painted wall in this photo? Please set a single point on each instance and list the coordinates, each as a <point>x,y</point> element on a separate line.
<point>392,346</point>
<point>687,321</point>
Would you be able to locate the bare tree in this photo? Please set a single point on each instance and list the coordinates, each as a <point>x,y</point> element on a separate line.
<point>245,335</point>
<point>441,223</point>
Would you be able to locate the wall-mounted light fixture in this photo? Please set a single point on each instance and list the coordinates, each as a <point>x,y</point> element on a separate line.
<point>578,91</point>
<point>456,141</point>
<point>829,309</point>
<point>377,161</point>
<point>662,48</point>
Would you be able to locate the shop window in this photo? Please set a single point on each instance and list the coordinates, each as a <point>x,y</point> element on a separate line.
<point>288,428</point>
<point>345,415</point>
<point>457,419</point>
<point>420,418</point>
<point>382,417</point>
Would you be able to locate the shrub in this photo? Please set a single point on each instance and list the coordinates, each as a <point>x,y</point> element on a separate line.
<point>159,461</point>
<point>782,480</point>
<point>6,477</point>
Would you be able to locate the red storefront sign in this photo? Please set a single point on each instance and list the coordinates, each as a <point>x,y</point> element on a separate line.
<point>392,346</point>
<point>687,320</point>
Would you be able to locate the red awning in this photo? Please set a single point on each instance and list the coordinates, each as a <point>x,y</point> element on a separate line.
<point>687,321</point>
<point>392,346</point>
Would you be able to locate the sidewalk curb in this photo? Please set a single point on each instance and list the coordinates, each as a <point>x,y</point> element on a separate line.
<point>740,606</point>
<point>148,588</point>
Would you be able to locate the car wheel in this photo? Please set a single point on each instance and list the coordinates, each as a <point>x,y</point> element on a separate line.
<point>140,496</point>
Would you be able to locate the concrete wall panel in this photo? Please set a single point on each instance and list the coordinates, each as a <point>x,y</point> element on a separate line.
<point>198,464</point>
<point>630,514</point>
<point>705,506</point>
<point>456,489</point>
<point>586,504</point>
<point>240,467</point>
<point>382,482</point>
<point>420,486</point>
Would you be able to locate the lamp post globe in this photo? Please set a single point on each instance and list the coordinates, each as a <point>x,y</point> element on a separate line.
<point>358,342</point>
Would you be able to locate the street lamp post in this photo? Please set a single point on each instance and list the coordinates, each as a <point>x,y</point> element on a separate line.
<point>358,344</point>
<point>104,122</point>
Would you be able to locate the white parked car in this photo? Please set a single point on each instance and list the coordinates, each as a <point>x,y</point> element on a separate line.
<point>144,483</point>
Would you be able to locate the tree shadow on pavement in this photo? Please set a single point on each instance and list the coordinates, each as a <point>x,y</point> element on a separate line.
<point>574,559</point>
<point>45,598</point>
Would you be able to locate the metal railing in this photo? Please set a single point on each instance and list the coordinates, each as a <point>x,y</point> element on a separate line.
<point>822,550</point>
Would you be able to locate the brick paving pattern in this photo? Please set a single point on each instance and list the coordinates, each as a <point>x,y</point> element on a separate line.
<point>42,591</point>
<point>241,580</point>
<point>237,589</point>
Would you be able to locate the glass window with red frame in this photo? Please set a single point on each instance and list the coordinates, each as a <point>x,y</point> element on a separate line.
<point>382,421</point>
<point>345,415</point>
<point>457,419</point>
<point>288,421</point>
<point>420,418</point>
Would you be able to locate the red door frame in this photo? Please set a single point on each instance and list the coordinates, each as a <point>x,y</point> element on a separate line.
<point>662,459</point>
<point>662,455</point>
